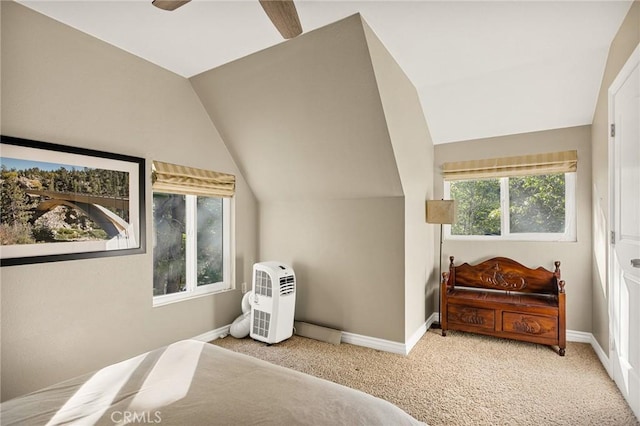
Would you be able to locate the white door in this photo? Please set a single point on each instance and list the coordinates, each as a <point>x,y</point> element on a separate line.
<point>624,252</point>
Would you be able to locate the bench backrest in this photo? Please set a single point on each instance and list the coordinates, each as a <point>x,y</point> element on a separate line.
<point>501,273</point>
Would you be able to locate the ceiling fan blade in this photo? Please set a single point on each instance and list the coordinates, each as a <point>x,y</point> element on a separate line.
<point>169,4</point>
<point>284,16</point>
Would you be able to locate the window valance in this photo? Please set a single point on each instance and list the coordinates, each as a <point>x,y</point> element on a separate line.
<point>177,179</point>
<point>534,164</point>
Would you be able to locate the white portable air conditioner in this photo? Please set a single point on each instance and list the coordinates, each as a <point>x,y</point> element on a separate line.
<point>273,303</point>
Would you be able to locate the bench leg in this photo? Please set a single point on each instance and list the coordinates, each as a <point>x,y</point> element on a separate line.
<point>561,351</point>
<point>444,333</point>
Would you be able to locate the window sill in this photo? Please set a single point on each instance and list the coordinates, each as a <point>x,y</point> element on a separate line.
<point>169,299</point>
<point>539,239</point>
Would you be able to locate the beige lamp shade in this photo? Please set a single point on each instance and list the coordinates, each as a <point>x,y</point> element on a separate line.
<point>441,211</point>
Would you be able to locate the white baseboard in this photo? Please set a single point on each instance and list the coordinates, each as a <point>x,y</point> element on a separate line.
<point>388,345</point>
<point>435,317</point>
<point>602,355</point>
<point>374,343</point>
<point>213,334</point>
<point>352,338</point>
<point>579,336</point>
<point>417,335</point>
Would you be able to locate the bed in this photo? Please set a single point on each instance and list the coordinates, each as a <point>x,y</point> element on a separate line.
<point>196,383</point>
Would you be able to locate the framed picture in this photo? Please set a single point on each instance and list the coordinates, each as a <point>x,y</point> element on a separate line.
<point>62,203</point>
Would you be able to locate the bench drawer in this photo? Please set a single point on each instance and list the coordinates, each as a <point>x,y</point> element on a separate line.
<point>532,325</point>
<point>475,317</point>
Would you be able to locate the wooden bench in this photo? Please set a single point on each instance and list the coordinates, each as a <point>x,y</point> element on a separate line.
<point>500,297</point>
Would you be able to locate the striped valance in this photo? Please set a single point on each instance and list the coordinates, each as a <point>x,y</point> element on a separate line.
<point>174,179</point>
<point>534,164</point>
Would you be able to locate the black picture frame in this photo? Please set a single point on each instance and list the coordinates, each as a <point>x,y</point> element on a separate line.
<point>107,208</point>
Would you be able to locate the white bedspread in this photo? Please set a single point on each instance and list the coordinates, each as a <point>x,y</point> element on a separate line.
<point>195,383</point>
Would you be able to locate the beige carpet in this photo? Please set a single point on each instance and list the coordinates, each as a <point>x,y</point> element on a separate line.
<point>464,379</point>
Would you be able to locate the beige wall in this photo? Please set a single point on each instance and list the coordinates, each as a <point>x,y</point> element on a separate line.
<point>413,151</point>
<point>575,256</point>
<point>348,256</point>
<point>624,43</point>
<point>65,318</point>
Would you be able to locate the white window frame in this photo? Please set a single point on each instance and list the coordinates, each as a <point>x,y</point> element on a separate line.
<point>192,289</point>
<point>570,217</point>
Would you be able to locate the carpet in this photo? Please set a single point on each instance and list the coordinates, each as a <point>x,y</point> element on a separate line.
<point>464,379</point>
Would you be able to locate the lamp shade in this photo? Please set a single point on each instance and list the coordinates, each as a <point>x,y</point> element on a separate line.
<point>441,211</point>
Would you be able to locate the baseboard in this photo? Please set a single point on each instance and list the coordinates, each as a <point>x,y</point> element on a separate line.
<point>213,334</point>
<point>579,336</point>
<point>417,335</point>
<point>602,355</point>
<point>352,338</point>
<point>374,343</point>
<point>388,345</point>
<point>435,317</point>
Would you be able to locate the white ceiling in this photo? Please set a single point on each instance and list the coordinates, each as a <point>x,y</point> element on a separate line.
<point>481,68</point>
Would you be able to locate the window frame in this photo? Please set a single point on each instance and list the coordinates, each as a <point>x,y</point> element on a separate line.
<point>192,289</point>
<point>570,234</point>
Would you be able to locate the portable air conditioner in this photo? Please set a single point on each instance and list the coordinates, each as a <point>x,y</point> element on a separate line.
<point>273,302</point>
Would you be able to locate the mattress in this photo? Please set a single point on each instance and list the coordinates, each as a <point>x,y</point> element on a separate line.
<point>195,383</point>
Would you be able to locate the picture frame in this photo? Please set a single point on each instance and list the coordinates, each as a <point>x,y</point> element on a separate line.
<point>63,203</point>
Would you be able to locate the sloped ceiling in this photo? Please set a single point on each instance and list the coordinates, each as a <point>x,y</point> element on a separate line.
<point>304,118</point>
<point>481,68</point>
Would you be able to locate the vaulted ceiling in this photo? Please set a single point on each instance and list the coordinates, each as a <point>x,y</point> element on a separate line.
<point>481,68</point>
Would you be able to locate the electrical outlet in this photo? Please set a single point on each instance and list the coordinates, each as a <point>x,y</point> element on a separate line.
<point>244,287</point>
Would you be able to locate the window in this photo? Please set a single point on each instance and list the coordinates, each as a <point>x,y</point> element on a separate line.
<point>530,198</point>
<point>191,246</point>
<point>538,207</point>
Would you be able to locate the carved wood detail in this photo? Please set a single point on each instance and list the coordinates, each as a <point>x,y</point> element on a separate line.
<point>475,317</point>
<point>470,316</point>
<point>503,280</point>
<point>528,325</point>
